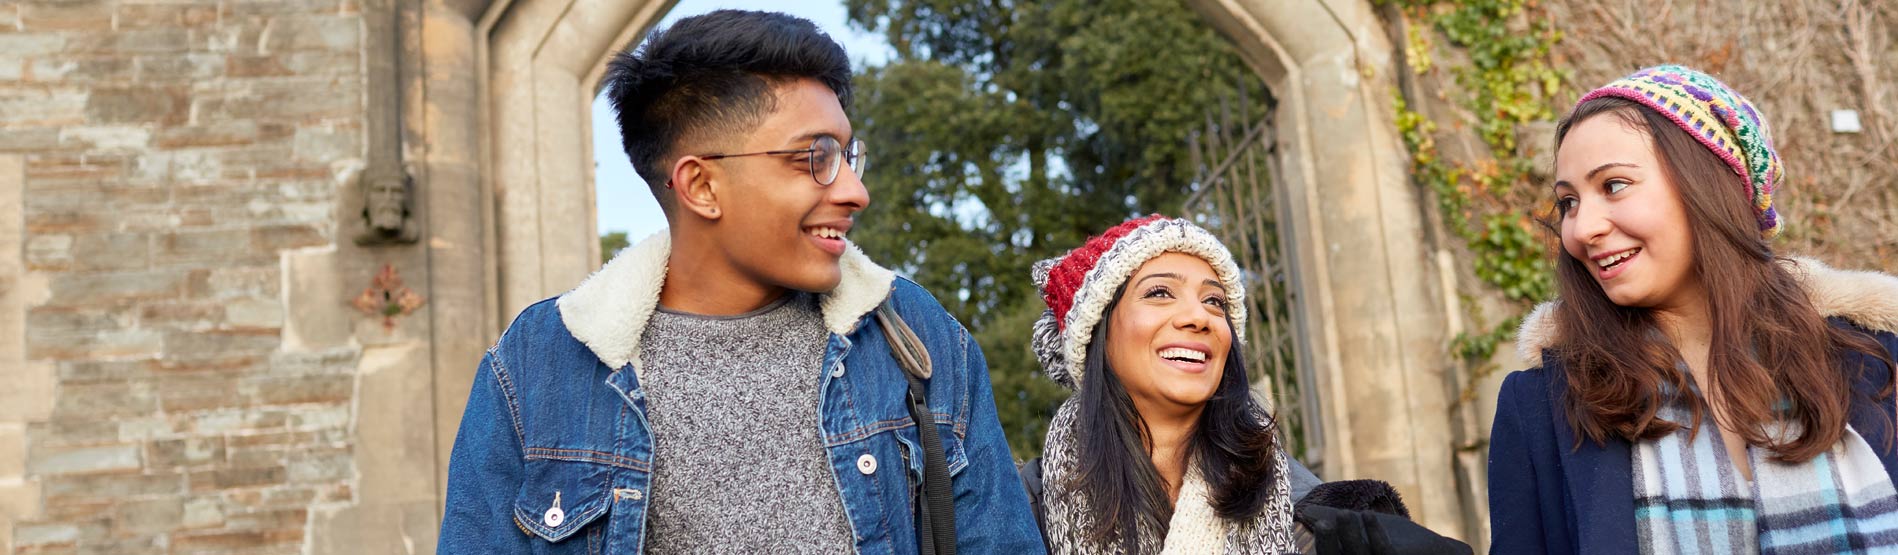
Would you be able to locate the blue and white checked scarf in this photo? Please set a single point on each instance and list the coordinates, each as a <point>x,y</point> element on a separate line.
<point>1689,497</point>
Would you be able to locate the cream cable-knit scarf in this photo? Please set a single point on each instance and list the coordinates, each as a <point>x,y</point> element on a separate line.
<point>1194,528</point>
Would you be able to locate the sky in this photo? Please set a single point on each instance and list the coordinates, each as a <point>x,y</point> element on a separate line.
<point>625,204</point>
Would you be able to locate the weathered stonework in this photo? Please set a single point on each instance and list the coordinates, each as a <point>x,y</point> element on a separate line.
<point>177,202</point>
<point>158,159</point>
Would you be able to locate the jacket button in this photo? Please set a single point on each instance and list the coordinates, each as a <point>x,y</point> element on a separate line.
<point>554,516</point>
<point>867,464</point>
<point>837,372</point>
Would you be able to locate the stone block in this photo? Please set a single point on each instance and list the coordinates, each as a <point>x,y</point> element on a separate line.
<point>141,104</point>
<point>184,394</point>
<point>141,16</point>
<point>86,69</point>
<point>109,252</point>
<point>59,322</point>
<point>48,251</point>
<point>273,238</point>
<point>320,418</point>
<point>299,98</point>
<point>299,389</point>
<point>106,137</point>
<point>222,342</point>
<point>313,32</point>
<point>186,315</point>
<point>375,528</point>
<point>51,170</point>
<point>111,487</point>
<point>254,313</point>
<point>48,460</point>
<point>226,133</point>
<point>131,41</point>
<point>179,67</point>
<point>203,512</point>
<point>34,534</point>
<point>65,16</point>
<point>23,45</point>
<point>20,499</point>
<point>228,478</point>
<point>114,287</point>
<point>205,245</point>
<point>45,106</point>
<point>28,395</point>
<point>327,143</point>
<point>102,344</point>
<point>269,519</point>
<point>20,138</point>
<point>232,281</point>
<point>148,516</point>
<point>103,401</point>
<point>309,63</point>
<point>12,451</point>
<point>328,465</point>
<point>246,541</point>
<point>316,316</point>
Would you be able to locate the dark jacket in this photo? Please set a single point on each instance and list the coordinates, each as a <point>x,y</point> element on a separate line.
<point>1546,495</point>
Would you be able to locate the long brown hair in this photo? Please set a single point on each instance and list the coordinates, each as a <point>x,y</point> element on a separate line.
<point>1769,343</point>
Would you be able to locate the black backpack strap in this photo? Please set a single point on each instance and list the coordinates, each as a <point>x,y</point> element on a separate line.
<point>936,508</point>
<point>1030,471</point>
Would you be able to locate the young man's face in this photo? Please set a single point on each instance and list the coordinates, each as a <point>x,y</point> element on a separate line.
<point>779,226</point>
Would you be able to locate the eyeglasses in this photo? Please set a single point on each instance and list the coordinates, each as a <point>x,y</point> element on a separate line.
<point>827,158</point>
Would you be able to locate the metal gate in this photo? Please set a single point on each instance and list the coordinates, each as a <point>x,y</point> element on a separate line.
<point>1235,196</point>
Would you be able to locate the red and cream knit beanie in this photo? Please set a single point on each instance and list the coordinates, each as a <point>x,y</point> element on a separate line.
<point>1079,285</point>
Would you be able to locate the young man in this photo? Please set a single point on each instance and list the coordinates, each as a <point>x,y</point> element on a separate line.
<point>724,386</point>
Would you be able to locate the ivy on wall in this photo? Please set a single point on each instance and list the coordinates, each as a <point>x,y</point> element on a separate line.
<point>1492,203</point>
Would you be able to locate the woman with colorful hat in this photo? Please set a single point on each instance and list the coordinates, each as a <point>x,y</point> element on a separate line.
<point>1162,449</point>
<point>1697,392</point>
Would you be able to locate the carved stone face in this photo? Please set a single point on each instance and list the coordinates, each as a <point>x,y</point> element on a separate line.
<point>387,197</point>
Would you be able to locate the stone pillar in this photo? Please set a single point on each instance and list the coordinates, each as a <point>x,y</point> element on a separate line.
<point>28,395</point>
<point>1370,304</point>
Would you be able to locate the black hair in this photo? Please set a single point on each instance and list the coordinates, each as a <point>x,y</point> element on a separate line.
<point>1232,444</point>
<point>711,75</point>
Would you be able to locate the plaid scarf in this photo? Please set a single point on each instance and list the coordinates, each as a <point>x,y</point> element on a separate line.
<point>1690,499</point>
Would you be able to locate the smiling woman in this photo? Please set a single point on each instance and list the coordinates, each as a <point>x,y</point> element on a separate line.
<point>1712,396</point>
<point>1162,448</point>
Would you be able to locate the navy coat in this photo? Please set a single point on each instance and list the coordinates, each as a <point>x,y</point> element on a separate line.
<point>1546,495</point>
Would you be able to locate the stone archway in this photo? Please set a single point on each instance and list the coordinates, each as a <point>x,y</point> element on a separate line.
<point>504,87</point>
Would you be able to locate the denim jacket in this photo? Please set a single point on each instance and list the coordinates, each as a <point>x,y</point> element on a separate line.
<point>554,455</point>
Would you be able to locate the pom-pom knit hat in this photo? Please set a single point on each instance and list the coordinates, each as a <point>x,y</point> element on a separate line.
<point>1719,118</point>
<point>1079,285</point>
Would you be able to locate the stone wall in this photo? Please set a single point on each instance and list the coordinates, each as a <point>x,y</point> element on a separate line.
<point>162,165</point>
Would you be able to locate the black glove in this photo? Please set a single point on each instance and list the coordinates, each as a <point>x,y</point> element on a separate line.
<point>1348,532</point>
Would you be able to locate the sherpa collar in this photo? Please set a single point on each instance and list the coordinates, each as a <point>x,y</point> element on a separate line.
<point>608,312</point>
<point>1869,299</point>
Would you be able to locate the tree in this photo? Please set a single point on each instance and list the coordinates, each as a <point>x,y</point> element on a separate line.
<point>611,243</point>
<point>1002,133</point>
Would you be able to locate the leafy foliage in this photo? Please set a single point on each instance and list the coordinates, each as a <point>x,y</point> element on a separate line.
<point>1509,82</point>
<point>611,243</point>
<point>1003,133</point>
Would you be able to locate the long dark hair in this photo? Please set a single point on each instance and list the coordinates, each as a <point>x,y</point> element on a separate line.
<point>1232,445</point>
<point>1769,343</point>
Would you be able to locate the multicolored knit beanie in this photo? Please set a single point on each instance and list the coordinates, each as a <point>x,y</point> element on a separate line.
<point>1719,118</point>
<point>1079,285</point>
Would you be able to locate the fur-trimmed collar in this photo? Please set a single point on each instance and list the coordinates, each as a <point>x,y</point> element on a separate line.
<point>608,312</point>
<point>1869,299</point>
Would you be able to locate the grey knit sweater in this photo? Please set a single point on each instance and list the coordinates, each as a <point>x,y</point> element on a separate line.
<point>739,459</point>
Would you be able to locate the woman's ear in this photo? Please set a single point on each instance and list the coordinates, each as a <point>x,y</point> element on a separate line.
<point>694,186</point>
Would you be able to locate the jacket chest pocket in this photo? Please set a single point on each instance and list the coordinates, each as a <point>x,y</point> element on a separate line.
<point>561,505</point>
